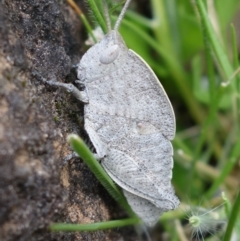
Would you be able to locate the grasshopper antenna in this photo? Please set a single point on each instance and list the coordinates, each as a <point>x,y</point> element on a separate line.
<point>106,13</point>
<point>117,24</point>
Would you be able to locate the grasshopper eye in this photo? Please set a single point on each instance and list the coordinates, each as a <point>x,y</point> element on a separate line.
<point>109,54</point>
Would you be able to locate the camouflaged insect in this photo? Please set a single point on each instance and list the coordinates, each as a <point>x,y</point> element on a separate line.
<point>130,122</point>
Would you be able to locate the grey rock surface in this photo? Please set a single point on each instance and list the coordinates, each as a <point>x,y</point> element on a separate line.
<point>35,188</point>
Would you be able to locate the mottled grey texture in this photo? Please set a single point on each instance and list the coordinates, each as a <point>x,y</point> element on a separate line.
<point>130,122</point>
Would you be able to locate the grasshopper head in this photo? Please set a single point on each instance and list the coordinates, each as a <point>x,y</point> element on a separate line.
<point>103,58</point>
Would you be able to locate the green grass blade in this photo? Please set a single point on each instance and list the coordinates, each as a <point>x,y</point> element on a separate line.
<point>226,170</point>
<point>114,6</point>
<point>67,227</point>
<point>227,204</point>
<point>97,14</point>
<point>135,17</point>
<point>219,51</point>
<point>236,65</point>
<point>83,151</point>
<point>83,18</point>
<point>88,27</point>
<point>232,219</point>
